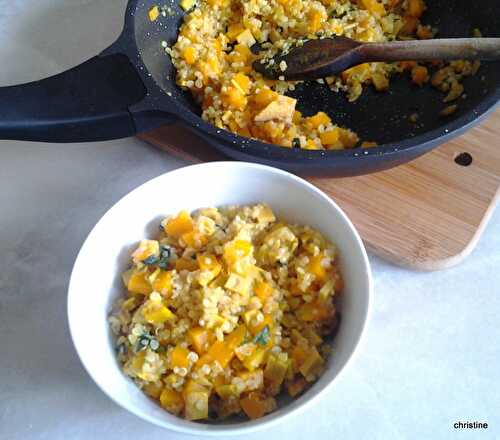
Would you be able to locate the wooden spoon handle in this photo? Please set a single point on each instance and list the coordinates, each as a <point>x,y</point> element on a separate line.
<point>427,50</point>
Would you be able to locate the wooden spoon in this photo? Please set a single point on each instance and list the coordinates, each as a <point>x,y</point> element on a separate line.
<point>329,56</point>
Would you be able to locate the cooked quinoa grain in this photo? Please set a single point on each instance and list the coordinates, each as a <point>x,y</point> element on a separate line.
<point>225,310</point>
<point>213,57</point>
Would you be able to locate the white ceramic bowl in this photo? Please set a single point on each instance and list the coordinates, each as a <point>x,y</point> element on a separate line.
<point>95,280</point>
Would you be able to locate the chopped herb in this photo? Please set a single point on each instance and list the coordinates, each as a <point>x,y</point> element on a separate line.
<point>152,259</point>
<point>144,341</point>
<point>165,254</point>
<point>263,336</point>
<point>296,143</point>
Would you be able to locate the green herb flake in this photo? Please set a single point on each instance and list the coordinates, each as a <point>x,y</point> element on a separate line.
<point>262,338</point>
<point>165,254</point>
<point>152,259</point>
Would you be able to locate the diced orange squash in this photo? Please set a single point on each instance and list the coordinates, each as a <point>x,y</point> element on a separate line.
<point>275,370</point>
<point>374,6</point>
<point>299,355</point>
<point>420,75</point>
<point>312,364</point>
<point>211,267</point>
<point>264,97</point>
<point>172,401</point>
<point>226,391</point>
<point>255,359</point>
<point>297,116</point>
<point>315,267</point>
<point>163,283</point>
<point>312,336</point>
<point>246,38</point>
<point>179,225</point>
<point>416,8</point>
<point>223,351</point>
<point>186,264</point>
<point>263,290</point>
<point>330,137</point>
<point>242,82</point>
<point>138,361</point>
<point>311,145</point>
<point>313,311</point>
<point>234,98</point>
<point>189,55</point>
<point>196,405</point>
<point>157,314</point>
<point>198,338</point>
<point>139,283</point>
<point>179,357</point>
<point>296,387</point>
<point>315,18</point>
<point>244,51</point>
<point>192,386</point>
<point>194,239</point>
<point>318,119</point>
<point>234,30</point>
<point>236,249</point>
<point>153,389</point>
<point>254,406</point>
<point>153,13</point>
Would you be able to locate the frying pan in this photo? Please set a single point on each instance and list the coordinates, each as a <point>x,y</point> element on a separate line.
<point>130,88</point>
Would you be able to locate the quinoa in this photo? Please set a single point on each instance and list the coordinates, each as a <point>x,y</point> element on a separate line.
<point>213,59</point>
<point>225,310</point>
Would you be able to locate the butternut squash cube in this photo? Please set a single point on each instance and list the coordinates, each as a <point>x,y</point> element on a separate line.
<point>257,357</point>
<point>318,119</point>
<point>189,55</point>
<point>198,338</point>
<point>153,13</point>
<point>179,357</point>
<point>172,401</point>
<point>329,137</point>
<point>139,283</point>
<point>263,290</point>
<point>179,225</point>
<point>246,38</point>
<point>157,315</point>
<point>163,283</point>
<point>186,264</point>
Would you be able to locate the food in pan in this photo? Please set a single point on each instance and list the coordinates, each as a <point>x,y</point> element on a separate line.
<point>214,52</point>
<point>227,309</point>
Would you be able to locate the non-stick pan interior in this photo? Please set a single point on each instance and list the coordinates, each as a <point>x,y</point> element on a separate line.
<point>379,116</point>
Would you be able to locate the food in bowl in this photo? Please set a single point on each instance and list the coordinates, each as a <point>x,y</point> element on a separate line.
<point>213,56</point>
<point>225,310</point>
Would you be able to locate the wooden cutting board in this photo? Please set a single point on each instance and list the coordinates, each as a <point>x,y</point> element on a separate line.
<point>426,215</point>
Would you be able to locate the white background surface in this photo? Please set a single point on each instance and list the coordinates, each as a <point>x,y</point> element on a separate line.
<point>430,357</point>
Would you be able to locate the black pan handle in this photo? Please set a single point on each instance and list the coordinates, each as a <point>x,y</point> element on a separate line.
<point>87,103</point>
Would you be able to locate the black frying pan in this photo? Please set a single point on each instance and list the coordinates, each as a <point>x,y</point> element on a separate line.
<point>130,88</point>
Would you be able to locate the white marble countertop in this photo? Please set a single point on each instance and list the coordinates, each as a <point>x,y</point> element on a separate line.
<point>430,357</point>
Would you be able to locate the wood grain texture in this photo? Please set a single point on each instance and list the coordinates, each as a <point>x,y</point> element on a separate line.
<point>425,215</point>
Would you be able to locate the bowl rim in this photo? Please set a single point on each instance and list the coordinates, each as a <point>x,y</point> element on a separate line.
<point>272,419</point>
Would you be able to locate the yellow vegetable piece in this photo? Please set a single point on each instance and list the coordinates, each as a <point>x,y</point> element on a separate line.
<point>315,267</point>
<point>374,7</point>
<point>153,389</point>
<point>179,225</point>
<point>158,315</point>
<point>163,283</point>
<point>234,30</point>
<point>246,38</point>
<point>186,264</point>
<point>242,83</point>
<point>297,116</point>
<point>189,55</point>
<point>275,370</point>
<point>265,97</point>
<point>196,405</point>
<point>194,239</point>
<point>138,283</point>
<point>154,13</point>
<point>226,391</point>
<point>313,311</point>
<point>138,361</point>
<point>313,363</point>
<point>311,145</point>
<point>179,357</point>
<point>199,339</point>
<point>234,98</point>
<point>210,264</point>
<point>318,119</point>
<point>253,405</point>
<point>187,4</point>
<point>330,137</point>
<point>172,401</point>
<point>315,19</point>
<point>223,351</point>
<point>255,359</point>
<point>235,250</point>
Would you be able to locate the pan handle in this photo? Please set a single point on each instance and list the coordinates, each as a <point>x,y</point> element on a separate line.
<point>87,103</point>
